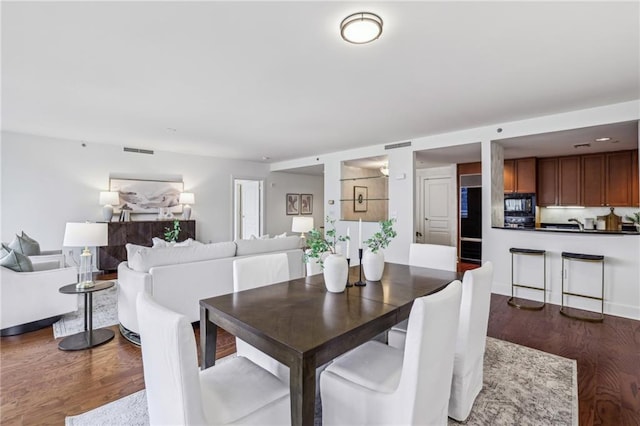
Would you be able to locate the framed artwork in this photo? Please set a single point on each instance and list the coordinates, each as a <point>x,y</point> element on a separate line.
<point>147,196</point>
<point>293,204</point>
<point>360,198</point>
<point>306,203</point>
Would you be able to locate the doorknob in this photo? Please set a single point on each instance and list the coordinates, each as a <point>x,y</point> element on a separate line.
<point>426,218</point>
<point>418,234</point>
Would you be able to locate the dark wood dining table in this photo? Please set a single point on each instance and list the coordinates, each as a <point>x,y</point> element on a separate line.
<point>303,326</point>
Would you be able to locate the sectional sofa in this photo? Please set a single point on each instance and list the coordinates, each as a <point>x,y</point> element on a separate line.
<point>178,277</point>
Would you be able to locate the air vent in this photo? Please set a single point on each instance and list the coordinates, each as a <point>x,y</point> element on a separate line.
<point>397,145</point>
<point>582,145</point>
<point>138,150</point>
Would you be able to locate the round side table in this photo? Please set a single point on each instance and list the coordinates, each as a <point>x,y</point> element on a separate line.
<point>89,337</point>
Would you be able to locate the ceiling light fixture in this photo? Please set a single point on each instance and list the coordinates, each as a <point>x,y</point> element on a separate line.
<point>361,28</point>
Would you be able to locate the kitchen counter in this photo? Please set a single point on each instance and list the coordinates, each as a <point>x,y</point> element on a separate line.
<point>569,231</point>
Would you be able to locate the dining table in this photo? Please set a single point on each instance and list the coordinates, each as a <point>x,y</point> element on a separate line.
<point>302,325</point>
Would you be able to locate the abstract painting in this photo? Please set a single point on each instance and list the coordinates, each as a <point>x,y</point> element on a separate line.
<point>147,196</point>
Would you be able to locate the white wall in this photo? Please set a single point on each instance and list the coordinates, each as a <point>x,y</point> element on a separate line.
<point>623,252</point>
<point>47,182</point>
<point>277,186</point>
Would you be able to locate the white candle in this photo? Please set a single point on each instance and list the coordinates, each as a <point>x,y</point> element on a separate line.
<point>348,242</point>
<point>359,233</point>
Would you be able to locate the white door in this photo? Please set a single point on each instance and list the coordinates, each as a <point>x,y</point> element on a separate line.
<point>436,211</point>
<point>248,208</point>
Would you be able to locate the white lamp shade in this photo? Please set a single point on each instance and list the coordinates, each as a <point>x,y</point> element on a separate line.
<point>302,224</point>
<point>85,235</point>
<point>187,198</point>
<point>110,198</point>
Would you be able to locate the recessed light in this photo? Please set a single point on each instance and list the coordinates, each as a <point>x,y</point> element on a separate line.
<point>603,139</point>
<point>361,28</point>
<point>171,129</point>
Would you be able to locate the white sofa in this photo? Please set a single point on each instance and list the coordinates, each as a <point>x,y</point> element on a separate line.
<point>31,300</point>
<point>178,277</point>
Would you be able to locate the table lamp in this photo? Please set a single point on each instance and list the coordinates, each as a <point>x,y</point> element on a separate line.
<point>85,235</point>
<point>187,198</point>
<point>109,199</point>
<point>302,224</point>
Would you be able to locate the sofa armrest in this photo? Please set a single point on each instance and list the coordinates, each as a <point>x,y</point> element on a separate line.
<point>48,258</point>
<point>32,296</point>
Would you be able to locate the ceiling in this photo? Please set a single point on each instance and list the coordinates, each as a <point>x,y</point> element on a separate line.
<point>249,80</point>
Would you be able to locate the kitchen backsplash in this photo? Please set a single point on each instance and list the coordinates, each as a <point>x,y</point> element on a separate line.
<point>556,215</point>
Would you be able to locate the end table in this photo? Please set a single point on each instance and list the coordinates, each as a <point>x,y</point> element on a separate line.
<point>89,337</point>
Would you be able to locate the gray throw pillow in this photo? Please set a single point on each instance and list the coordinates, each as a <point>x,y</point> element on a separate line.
<point>25,245</point>
<point>17,262</point>
<point>4,250</point>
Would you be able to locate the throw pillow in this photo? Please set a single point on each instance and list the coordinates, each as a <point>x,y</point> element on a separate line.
<point>4,250</point>
<point>17,262</point>
<point>25,245</point>
<point>283,235</point>
<point>159,242</point>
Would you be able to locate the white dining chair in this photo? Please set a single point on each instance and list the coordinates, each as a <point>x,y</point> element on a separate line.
<point>259,271</point>
<point>235,391</point>
<point>433,256</point>
<point>376,384</point>
<point>470,342</point>
<point>427,256</point>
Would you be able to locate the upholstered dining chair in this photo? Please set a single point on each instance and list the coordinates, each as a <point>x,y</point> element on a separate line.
<point>376,384</point>
<point>235,391</point>
<point>433,256</point>
<point>427,256</point>
<point>470,342</point>
<point>259,271</point>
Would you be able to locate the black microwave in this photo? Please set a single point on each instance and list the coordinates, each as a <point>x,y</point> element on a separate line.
<point>520,205</point>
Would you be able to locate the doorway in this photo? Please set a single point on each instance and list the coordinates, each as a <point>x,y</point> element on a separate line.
<point>248,208</point>
<point>436,213</point>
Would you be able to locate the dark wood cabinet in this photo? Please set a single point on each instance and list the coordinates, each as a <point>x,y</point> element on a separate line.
<point>593,172</point>
<point>520,175</point>
<point>547,193</point>
<point>140,233</point>
<point>618,185</point>
<point>635,178</point>
<point>569,181</point>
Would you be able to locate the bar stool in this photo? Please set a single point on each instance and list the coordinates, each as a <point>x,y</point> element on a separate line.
<point>582,258</point>
<point>529,252</point>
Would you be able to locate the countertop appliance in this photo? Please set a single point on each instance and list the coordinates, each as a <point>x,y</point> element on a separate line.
<point>471,218</point>
<point>520,210</point>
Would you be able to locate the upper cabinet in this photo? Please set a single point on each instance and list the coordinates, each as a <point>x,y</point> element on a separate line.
<point>604,179</point>
<point>520,175</point>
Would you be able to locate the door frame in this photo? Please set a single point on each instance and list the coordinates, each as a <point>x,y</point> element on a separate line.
<point>442,172</point>
<point>234,204</point>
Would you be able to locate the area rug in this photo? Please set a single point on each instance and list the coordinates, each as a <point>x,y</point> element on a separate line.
<point>522,386</point>
<point>105,313</point>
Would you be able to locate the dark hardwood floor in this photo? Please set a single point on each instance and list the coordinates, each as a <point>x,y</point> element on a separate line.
<point>40,385</point>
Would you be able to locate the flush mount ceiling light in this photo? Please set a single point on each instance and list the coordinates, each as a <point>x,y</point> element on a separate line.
<point>361,27</point>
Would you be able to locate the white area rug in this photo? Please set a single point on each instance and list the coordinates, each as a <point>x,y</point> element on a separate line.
<point>522,386</point>
<point>105,313</point>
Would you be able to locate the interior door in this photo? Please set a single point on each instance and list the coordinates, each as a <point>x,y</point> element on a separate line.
<point>248,208</point>
<point>437,211</point>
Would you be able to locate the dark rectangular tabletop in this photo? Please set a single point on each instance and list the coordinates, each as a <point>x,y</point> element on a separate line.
<point>303,326</point>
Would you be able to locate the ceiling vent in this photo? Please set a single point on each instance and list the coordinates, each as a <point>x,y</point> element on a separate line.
<point>397,145</point>
<point>581,145</point>
<point>138,150</point>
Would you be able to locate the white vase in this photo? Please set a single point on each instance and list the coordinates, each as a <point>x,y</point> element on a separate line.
<point>373,265</point>
<point>335,273</point>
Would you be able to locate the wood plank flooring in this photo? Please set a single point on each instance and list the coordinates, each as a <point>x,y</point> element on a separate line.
<point>40,385</point>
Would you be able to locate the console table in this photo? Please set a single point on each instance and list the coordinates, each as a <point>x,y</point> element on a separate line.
<point>136,232</point>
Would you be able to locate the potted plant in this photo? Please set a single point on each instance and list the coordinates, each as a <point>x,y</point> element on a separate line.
<point>171,234</point>
<point>373,257</point>
<point>635,219</point>
<point>323,249</point>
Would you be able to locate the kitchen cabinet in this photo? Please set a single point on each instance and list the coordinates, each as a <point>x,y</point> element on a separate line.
<point>593,179</point>
<point>520,175</point>
<point>618,179</point>
<point>569,181</point>
<point>547,193</point>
